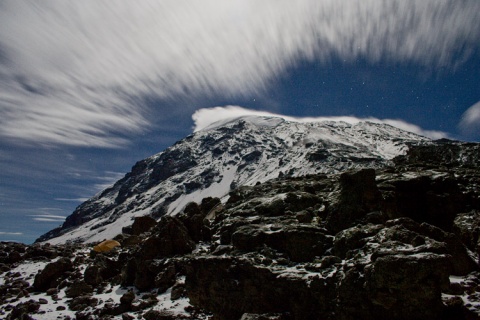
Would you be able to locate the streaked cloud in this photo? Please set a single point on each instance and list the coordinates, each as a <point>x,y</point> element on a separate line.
<point>109,178</point>
<point>79,72</point>
<point>48,218</point>
<point>10,233</point>
<point>470,122</point>
<point>210,117</point>
<point>71,199</point>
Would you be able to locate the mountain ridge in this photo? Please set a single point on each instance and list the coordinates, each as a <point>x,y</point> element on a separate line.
<point>350,233</point>
<point>215,160</point>
<point>397,242</point>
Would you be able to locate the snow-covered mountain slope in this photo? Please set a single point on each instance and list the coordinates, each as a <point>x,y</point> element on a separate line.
<point>213,161</point>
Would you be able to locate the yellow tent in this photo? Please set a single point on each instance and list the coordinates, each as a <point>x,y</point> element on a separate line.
<point>106,246</point>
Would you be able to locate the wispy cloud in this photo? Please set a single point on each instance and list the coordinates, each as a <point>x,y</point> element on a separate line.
<point>48,218</point>
<point>210,117</point>
<point>470,122</point>
<point>10,233</point>
<point>107,180</point>
<point>72,199</point>
<point>76,72</point>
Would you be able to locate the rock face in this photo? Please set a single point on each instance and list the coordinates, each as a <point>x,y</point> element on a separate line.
<point>369,266</point>
<point>398,241</point>
<point>51,274</point>
<point>212,162</point>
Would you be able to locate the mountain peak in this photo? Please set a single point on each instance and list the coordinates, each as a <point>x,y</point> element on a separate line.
<point>259,121</point>
<point>245,150</point>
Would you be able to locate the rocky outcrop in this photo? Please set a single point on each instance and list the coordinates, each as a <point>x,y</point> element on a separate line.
<point>358,196</point>
<point>394,243</point>
<point>374,268</point>
<point>52,274</point>
<point>213,162</point>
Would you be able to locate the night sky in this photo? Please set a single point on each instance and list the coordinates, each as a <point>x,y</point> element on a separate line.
<point>87,88</point>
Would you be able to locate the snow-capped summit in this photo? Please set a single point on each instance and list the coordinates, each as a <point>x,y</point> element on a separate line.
<point>259,121</point>
<point>224,155</point>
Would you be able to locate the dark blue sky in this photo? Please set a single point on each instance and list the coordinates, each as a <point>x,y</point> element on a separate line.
<point>81,103</point>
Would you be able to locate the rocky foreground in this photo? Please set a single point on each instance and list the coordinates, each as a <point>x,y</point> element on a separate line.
<point>393,243</point>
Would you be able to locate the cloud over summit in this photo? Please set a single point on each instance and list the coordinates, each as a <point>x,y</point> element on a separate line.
<point>76,72</point>
<point>211,117</point>
<point>470,123</point>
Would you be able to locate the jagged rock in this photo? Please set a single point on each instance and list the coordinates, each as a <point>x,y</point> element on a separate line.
<point>129,240</point>
<point>149,274</point>
<point>358,196</point>
<point>406,286</point>
<point>395,281</point>
<point>166,277</point>
<point>41,251</point>
<point>14,256</point>
<point>194,215</point>
<point>49,277</point>
<point>208,204</point>
<point>354,238</point>
<point>230,287</point>
<point>23,310</point>
<point>178,291</point>
<point>92,275</point>
<point>169,237</point>
<point>258,152</point>
<point>102,268</point>
<point>389,243</point>
<point>142,224</point>
<point>467,227</point>
<point>448,153</point>
<point>304,216</point>
<point>126,316</point>
<point>77,289</point>
<point>299,242</point>
<point>192,218</point>
<point>127,298</point>
<point>460,259</point>
<point>52,291</point>
<point>435,200</point>
<point>82,302</point>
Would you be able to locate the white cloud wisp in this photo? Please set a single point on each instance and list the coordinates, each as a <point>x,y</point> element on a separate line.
<point>76,72</point>
<point>212,117</point>
<point>48,218</point>
<point>470,123</point>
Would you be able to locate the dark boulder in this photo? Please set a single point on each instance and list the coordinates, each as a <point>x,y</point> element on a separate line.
<point>142,224</point>
<point>102,268</point>
<point>78,288</point>
<point>230,287</point>
<point>408,286</point>
<point>127,298</point>
<point>358,196</point>
<point>467,227</point>
<point>193,218</point>
<point>51,275</point>
<point>82,302</point>
<point>170,237</point>
<point>299,242</point>
<point>23,310</point>
<point>435,200</point>
<point>354,238</point>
